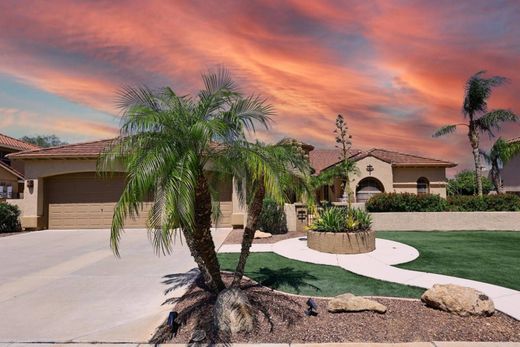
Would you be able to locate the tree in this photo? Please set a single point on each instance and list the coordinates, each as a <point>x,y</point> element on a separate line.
<point>464,184</point>
<point>167,144</point>
<point>44,140</point>
<point>346,167</point>
<point>500,153</point>
<point>479,118</point>
<point>279,170</point>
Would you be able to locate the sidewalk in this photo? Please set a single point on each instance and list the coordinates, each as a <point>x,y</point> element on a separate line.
<point>378,265</point>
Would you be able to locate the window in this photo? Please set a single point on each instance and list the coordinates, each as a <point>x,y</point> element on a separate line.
<point>423,186</point>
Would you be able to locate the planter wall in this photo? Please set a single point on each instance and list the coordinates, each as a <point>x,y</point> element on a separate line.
<point>342,243</point>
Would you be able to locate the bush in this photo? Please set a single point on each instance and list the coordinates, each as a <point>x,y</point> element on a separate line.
<point>9,218</point>
<point>464,184</point>
<point>339,219</point>
<point>499,202</point>
<point>405,202</point>
<point>272,219</point>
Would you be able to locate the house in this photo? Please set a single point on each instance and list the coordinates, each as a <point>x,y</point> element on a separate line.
<point>64,191</point>
<point>381,170</point>
<point>12,174</point>
<point>511,173</point>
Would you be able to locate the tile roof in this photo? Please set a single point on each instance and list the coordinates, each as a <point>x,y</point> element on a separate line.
<point>12,143</point>
<point>322,159</point>
<point>90,149</point>
<point>11,170</point>
<point>516,139</point>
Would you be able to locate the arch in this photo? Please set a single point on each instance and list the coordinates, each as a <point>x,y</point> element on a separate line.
<point>368,187</point>
<point>423,186</point>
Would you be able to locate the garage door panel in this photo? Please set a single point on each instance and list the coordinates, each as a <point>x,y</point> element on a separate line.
<point>87,201</point>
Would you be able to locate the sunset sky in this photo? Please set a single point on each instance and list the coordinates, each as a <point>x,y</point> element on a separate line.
<point>395,69</point>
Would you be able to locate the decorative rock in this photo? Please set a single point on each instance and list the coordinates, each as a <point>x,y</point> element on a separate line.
<point>459,300</point>
<point>351,303</point>
<point>232,312</point>
<point>259,234</point>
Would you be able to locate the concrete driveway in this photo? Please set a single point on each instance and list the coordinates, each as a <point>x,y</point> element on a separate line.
<point>67,286</point>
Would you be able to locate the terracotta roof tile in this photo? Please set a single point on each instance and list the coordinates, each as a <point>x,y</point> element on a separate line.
<point>516,139</point>
<point>325,158</point>
<point>77,150</point>
<point>12,143</point>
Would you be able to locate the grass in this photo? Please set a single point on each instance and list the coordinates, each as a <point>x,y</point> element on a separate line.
<point>486,256</point>
<point>297,277</point>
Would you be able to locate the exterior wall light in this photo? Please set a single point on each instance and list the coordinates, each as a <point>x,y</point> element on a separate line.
<point>370,168</point>
<point>30,183</point>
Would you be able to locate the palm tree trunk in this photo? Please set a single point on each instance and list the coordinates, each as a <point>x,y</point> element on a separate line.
<point>254,211</point>
<point>497,178</point>
<point>202,239</point>
<point>474,141</point>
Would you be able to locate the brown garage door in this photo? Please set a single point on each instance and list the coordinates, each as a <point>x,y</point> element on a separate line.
<point>86,201</point>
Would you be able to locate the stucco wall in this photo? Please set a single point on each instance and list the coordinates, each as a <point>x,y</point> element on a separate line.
<point>409,221</point>
<point>382,171</point>
<point>7,178</point>
<point>405,179</point>
<point>511,173</point>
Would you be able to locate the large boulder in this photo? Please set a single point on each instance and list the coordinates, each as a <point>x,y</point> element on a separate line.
<point>232,312</point>
<point>459,300</point>
<point>259,234</point>
<point>351,303</point>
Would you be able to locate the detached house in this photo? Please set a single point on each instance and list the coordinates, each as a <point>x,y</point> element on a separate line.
<point>63,190</point>
<point>511,173</point>
<point>12,174</point>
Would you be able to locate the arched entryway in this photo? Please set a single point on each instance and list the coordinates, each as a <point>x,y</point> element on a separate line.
<point>368,187</point>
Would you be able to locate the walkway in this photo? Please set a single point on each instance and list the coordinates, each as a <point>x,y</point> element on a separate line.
<point>378,265</point>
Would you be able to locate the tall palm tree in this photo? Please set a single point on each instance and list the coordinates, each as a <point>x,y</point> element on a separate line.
<point>167,144</point>
<point>479,118</point>
<point>500,153</point>
<point>274,171</point>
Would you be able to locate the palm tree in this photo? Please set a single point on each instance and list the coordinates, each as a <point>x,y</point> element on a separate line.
<point>500,153</point>
<point>167,144</point>
<point>274,171</point>
<point>479,119</point>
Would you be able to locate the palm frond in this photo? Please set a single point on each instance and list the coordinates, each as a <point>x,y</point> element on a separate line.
<point>478,89</point>
<point>493,119</point>
<point>448,129</point>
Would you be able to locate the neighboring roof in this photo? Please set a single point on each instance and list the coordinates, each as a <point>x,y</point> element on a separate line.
<point>84,150</point>
<point>11,170</point>
<point>12,143</point>
<point>322,159</point>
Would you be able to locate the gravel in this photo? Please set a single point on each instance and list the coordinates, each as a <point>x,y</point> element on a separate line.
<point>405,321</point>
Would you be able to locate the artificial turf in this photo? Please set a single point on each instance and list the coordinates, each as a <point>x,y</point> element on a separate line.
<point>486,256</point>
<point>293,276</point>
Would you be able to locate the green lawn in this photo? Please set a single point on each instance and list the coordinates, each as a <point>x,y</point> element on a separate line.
<point>298,277</point>
<point>487,256</point>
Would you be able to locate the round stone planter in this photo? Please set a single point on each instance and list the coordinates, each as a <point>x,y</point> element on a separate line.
<point>342,243</point>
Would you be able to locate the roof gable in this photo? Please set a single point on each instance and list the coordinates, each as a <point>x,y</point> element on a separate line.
<point>11,170</point>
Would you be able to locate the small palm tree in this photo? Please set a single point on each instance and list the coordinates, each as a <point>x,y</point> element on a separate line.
<point>167,144</point>
<point>479,119</point>
<point>500,153</point>
<point>278,171</point>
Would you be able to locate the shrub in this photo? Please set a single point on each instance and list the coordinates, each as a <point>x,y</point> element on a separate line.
<point>272,219</point>
<point>405,202</point>
<point>339,219</point>
<point>464,184</point>
<point>499,202</point>
<point>9,218</point>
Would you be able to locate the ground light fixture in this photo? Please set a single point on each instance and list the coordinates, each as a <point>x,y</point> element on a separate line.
<point>312,309</point>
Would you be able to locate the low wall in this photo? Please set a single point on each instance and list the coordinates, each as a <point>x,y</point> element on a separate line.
<point>443,221</point>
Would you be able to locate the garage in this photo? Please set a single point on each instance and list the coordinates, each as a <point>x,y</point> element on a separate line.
<point>87,201</point>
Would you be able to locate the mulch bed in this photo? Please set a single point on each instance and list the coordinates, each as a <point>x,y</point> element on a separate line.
<point>405,321</point>
<point>235,236</point>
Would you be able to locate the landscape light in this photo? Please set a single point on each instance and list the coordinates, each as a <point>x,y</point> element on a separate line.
<point>172,323</point>
<point>312,309</point>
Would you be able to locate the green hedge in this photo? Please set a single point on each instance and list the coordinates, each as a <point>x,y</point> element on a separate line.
<point>406,202</point>
<point>272,219</point>
<point>9,218</point>
<point>499,202</point>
